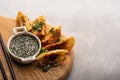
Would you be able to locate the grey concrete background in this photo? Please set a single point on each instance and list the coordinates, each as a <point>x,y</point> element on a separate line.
<point>95,25</point>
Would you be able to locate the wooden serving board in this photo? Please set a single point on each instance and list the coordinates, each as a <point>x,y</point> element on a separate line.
<point>29,71</point>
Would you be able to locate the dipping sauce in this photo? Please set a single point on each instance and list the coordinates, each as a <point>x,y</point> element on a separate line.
<point>24,46</point>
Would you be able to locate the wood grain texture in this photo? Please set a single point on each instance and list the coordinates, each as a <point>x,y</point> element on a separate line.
<point>30,71</point>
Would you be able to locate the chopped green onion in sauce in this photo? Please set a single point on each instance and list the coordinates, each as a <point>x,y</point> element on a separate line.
<point>24,46</point>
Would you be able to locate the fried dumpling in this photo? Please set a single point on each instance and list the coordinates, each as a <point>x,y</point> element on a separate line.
<point>52,57</point>
<point>39,26</point>
<point>52,36</point>
<point>66,44</point>
<point>23,20</point>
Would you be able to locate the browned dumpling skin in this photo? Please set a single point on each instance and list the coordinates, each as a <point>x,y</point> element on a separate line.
<point>42,21</point>
<point>52,57</point>
<point>66,44</point>
<point>23,20</point>
<point>52,36</point>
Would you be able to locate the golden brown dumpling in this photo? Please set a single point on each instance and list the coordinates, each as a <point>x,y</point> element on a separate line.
<point>23,20</point>
<point>66,44</point>
<point>52,36</point>
<point>39,26</point>
<point>52,57</point>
